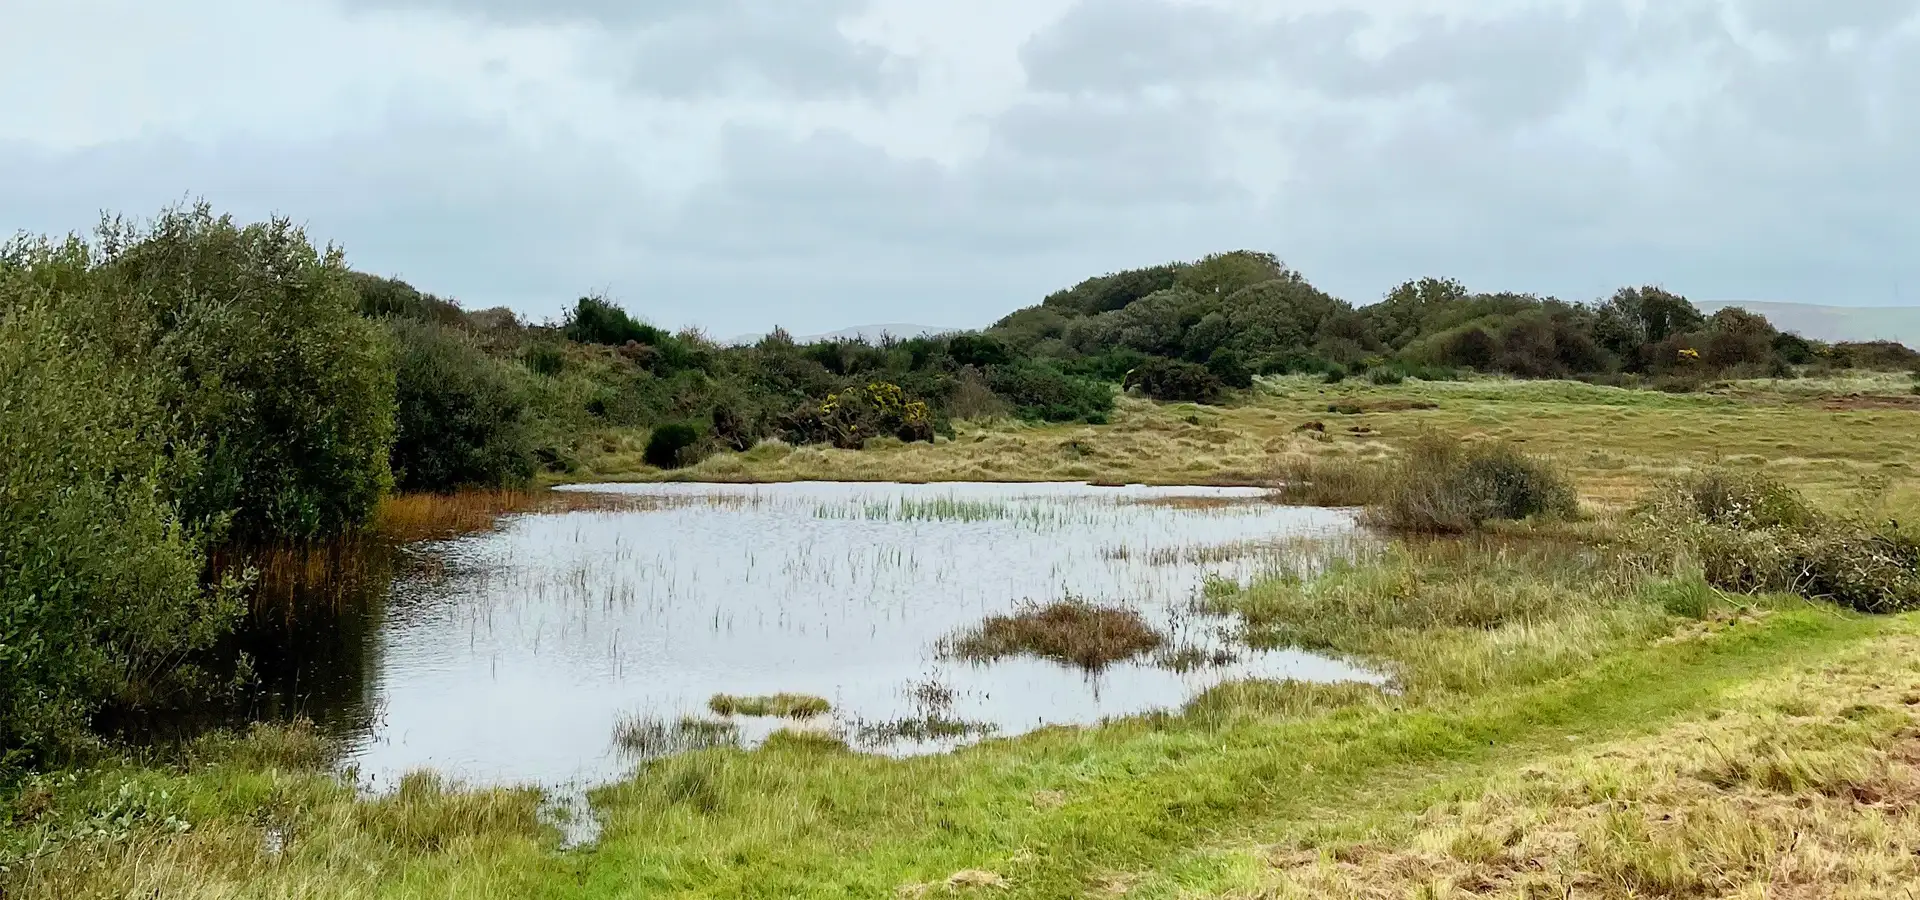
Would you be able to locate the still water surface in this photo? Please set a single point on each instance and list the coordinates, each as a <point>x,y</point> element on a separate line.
<point>510,656</point>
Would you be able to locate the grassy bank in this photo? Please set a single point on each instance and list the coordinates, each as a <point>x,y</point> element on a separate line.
<point>1827,436</point>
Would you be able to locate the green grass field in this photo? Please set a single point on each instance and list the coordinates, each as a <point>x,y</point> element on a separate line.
<point>1560,722</point>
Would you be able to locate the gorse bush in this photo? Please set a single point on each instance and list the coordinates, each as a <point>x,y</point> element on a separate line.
<point>1446,486</point>
<point>461,416</point>
<point>1745,532</point>
<point>849,418</point>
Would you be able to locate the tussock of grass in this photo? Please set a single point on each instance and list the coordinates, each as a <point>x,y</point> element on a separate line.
<point>780,706</point>
<point>787,740</point>
<point>425,814</point>
<point>296,746</point>
<point>1279,699</point>
<point>1071,631</point>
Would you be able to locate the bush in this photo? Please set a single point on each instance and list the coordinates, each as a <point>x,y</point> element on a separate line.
<point>1232,371</point>
<point>1038,391</point>
<point>460,416</point>
<point>1174,381</point>
<point>1385,375</point>
<point>596,320</point>
<point>1443,486</point>
<point>263,356</point>
<point>100,578</point>
<point>1335,374</point>
<point>978,350</point>
<point>671,446</point>
<point>1745,532</point>
<point>544,358</point>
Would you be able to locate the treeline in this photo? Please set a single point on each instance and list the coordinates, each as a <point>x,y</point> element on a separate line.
<point>1193,330</point>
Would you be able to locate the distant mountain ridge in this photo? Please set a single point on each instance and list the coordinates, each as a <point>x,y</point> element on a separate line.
<point>869,333</point>
<point>1835,323</point>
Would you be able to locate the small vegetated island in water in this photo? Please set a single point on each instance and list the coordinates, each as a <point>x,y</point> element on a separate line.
<point>1638,586</point>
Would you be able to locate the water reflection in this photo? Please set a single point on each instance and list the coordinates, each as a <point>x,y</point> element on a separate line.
<point>512,656</point>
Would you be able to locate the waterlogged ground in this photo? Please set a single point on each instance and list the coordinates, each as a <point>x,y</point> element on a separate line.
<point>515,655</point>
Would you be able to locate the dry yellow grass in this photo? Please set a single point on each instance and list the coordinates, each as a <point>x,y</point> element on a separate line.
<point>1802,787</point>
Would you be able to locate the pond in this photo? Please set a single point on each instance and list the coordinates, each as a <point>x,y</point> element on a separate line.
<point>515,655</point>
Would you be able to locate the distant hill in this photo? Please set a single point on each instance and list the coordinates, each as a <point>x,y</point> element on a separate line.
<point>869,333</point>
<point>1837,323</point>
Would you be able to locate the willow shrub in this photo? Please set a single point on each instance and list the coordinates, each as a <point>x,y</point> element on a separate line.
<point>461,416</point>
<point>101,595</point>
<point>261,353</point>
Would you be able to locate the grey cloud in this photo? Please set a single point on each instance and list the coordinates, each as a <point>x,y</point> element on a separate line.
<point>1815,19</point>
<point>1515,68</point>
<point>794,47</point>
<point>699,49</point>
<point>604,12</point>
<point>1127,45</point>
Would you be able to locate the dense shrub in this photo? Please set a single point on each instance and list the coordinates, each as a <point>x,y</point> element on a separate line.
<point>1745,532</point>
<point>391,298</point>
<point>101,596</point>
<point>1228,366</point>
<point>263,356</point>
<point>460,417</point>
<point>978,350</point>
<point>596,320</point>
<point>544,358</point>
<point>671,445</point>
<point>1445,486</point>
<point>1175,381</point>
<point>1040,391</point>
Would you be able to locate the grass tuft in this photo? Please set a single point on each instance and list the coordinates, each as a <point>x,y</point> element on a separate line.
<point>779,706</point>
<point>1071,631</point>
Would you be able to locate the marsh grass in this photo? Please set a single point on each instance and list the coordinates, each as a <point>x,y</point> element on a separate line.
<point>926,728</point>
<point>1448,617</point>
<point>1072,631</point>
<point>954,509</point>
<point>780,706</point>
<point>648,737</point>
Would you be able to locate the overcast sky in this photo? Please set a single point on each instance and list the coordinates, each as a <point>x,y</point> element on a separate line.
<point>734,164</point>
